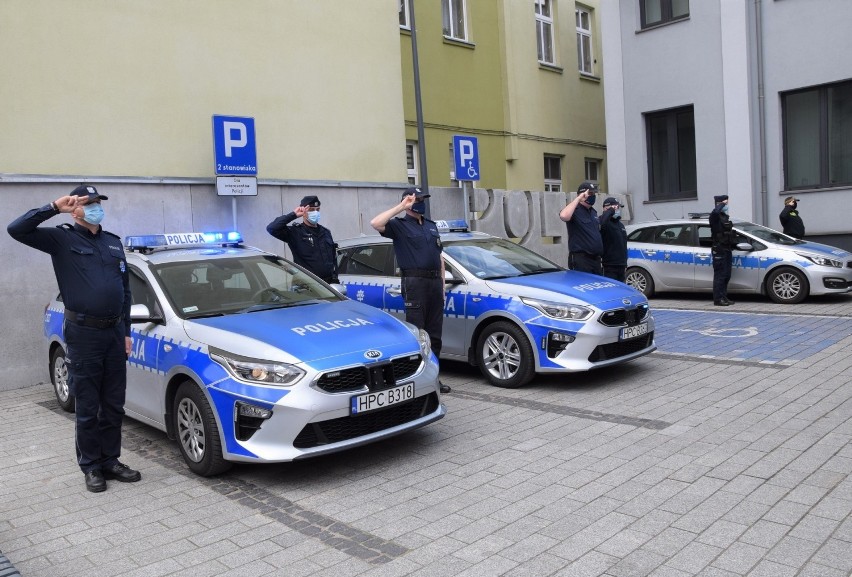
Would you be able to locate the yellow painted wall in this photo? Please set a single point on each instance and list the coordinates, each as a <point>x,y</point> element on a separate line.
<point>129,87</point>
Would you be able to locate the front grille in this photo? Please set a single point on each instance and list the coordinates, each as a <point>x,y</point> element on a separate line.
<point>345,428</point>
<point>621,348</point>
<point>351,379</point>
<point>404,367</point>
<point>622,317</point>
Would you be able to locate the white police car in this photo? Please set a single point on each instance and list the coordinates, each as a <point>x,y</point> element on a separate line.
<point>243,356</point>
<point>508,310</point>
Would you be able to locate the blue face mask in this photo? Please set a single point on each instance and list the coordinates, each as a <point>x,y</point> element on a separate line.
<point>93,213</point>
<point>725,209</point>
<point>616,214</point>
<point>590,200</point>
<point>419,207</point>
<point>314,216</point>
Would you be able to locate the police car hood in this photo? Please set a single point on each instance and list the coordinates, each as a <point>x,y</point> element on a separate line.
<point>321,333</point>
<point>820,249</point>
<point>568,286</point>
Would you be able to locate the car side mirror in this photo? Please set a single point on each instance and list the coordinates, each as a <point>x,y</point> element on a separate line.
<point>341,288</point>
<point>744,246</point>
<point>141,314</point>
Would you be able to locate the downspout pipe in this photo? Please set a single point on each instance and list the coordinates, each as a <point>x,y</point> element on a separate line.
<point>761,110</point>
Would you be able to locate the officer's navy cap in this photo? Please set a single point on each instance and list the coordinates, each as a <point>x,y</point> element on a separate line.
<point>611,200</point>
<point>89,191</point>
<point>416,191</point>
<point>310,201</point>
<point>590,186</point>
<point>720,198</point>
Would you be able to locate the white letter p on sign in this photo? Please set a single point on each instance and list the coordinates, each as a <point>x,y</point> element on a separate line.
<point>240,141</point>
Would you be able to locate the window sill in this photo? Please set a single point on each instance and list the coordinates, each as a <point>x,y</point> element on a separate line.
<point>460,43</point>
<point>662,24</point>
<point>589,77</point>
<point>550,67</point>
<point>405,30</point>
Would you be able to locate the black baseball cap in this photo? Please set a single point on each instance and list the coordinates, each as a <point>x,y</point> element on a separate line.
<point>586,185</point>
<point>611,200</point>
<point>312,201</point>
<point>416,191</point>
<point>90,192</point>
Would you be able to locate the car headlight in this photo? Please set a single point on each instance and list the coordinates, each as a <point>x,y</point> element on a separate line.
<point>821,260</point>
<point>260,372</point>
<point>423,338</point>
<point>559,310</point>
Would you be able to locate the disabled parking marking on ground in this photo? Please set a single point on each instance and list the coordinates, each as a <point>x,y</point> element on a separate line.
<point>742,336</point>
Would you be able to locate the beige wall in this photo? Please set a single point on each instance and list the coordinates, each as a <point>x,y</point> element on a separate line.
<point>128,87</point>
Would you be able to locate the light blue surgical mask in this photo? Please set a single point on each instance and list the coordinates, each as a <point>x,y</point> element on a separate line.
<point>93,213</point>
<point>314,216</point>
<point>616,214</point>
<point>725,209</point>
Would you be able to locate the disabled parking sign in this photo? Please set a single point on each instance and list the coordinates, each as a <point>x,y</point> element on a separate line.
<point>466,155</point>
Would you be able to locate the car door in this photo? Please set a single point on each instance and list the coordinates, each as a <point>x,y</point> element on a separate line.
<point>745,270</point>
<point>456,331</point>
<point>704,258</point>
<point>145,384</point>
<point>367,272</point>
<point>669,255</point>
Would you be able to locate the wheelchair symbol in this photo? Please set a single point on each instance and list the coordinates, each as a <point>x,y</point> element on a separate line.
<point>471,172</point>
<point>741,333</point>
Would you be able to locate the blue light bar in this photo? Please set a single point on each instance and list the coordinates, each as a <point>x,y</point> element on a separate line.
<point>179,239</point>
<point>459,225</point>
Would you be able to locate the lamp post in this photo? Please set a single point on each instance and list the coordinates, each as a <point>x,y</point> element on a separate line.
<point>418,105</point>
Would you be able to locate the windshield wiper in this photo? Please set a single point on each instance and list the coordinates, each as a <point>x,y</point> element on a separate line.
<point>269,306</point>
<point>204,316</point>
<point>540,271</point>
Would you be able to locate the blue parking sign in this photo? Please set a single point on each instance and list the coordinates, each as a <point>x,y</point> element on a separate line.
<point>234,145</point>
<point>466,155</point>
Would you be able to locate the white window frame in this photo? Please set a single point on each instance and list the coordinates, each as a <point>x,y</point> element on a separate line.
<point>585,53</point>
<point>412,162</point>
<point>449,13</point>
<point>592,169</point>
<point>544,31</point>
<point>405,19</point>
<point>553,184</point>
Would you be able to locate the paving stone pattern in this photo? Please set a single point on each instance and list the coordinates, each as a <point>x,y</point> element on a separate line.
<point>688,462</point>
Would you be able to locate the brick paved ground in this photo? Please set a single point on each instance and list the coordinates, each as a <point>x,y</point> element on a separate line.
<point>695,460</point>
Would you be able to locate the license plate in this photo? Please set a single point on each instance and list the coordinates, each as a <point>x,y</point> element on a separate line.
<point>633,332</point>
<point>381,399</point>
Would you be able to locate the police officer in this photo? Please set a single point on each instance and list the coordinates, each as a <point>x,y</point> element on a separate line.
<point>723,234</point>
<point>91,272</point>
<point>791,222</point>
<point>614,238</point>
<point>585,246</point>
<point>417,245</point>
<point>309,241</point>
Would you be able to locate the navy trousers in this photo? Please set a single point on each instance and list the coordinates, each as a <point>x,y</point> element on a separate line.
<point>722,260</point>
<point>97,377</point>
<point>584,262</point>
<point>615,272</point>
<point>424,306</point>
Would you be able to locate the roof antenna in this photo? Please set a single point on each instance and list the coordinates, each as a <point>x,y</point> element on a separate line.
<point>655,215</point>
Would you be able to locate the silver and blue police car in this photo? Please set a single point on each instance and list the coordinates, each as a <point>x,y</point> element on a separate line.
<point>508,310</point>
<point>243,356</point>
<point>674,255</point>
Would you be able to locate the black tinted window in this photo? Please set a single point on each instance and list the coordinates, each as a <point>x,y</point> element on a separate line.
<point>368,260</point>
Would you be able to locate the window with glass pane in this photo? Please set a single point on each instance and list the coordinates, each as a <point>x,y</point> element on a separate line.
<point>544,31</point>
<point>654,12</point>
<point>592,169</point>
<point>818,136</point>
<point>671,147</point>
<point>403,14</point>
<point>454,19</point>
<point>411,161</point>
<point>584,41</point>
<point>552,173</point>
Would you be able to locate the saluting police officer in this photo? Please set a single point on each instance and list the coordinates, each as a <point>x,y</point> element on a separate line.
<point>310,242</point>
<point>791,220</point>
<point>91,271</point>
<point>417,245</point>
<point>585,246</point>
<point>723,245</point>
<point>614,238</point>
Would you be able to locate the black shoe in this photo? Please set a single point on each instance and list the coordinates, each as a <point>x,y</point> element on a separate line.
<point>721,303</point>
<point>95,481</point>
<point>121,472</point>
<point>728,301</point>
<point>444,388</point>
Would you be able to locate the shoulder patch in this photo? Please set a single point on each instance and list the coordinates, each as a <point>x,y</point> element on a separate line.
<point>66,226</point>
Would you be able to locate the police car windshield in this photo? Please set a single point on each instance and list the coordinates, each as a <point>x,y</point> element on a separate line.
<point>495,258</point>
<point>221,286</point>
<point>766,234</point>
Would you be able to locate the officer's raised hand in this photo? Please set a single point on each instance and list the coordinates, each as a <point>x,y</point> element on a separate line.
<point>300,211</point>
<point>408,201</point>
<point>68,203</point>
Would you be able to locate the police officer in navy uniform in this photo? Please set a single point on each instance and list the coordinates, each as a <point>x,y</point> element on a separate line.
<point>91,271</point>
<point>309,241</point>
<point>791,221</point>
<point>722,231</point>
<point>585,246</point>
<point>614,238</point>
<point>417,245</point>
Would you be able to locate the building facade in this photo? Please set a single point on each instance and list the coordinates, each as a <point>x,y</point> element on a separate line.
<point>749,99</point>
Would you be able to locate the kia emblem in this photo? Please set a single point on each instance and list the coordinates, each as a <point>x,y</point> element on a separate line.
<point>625,301</point>
<point>373,354</point>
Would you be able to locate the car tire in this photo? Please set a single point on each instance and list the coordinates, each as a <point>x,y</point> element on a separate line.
<point>59,380</point>
<point>504,355</point>
<point>197,432</point>
<point>787,286</point>
<point>641,280</point>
